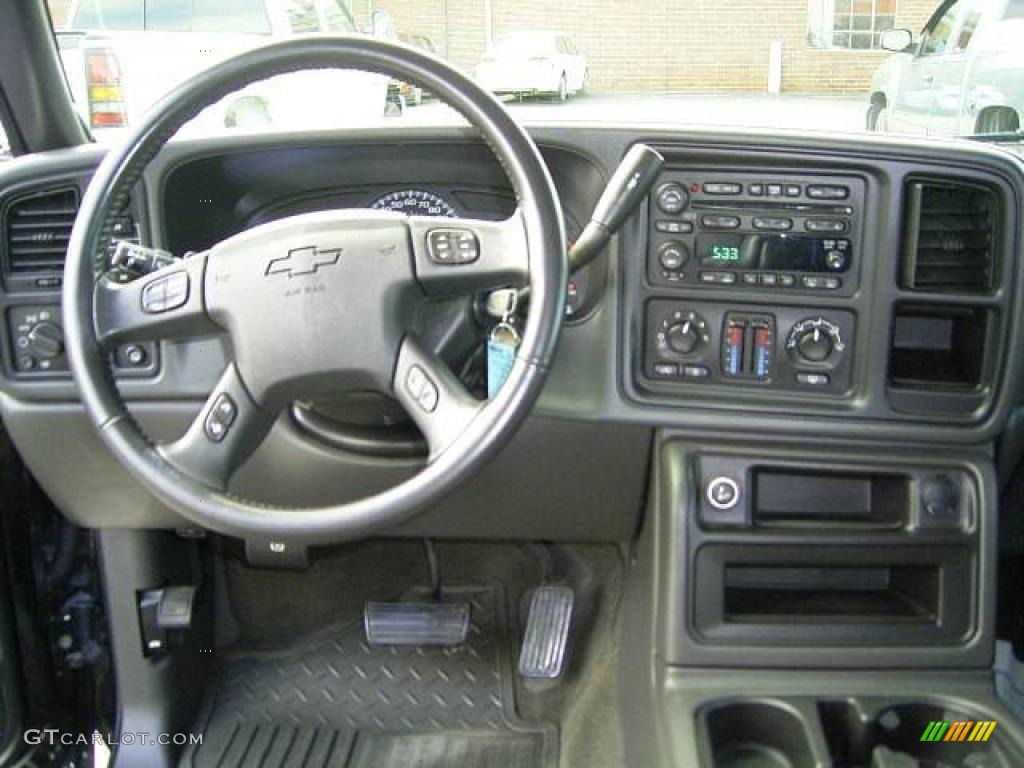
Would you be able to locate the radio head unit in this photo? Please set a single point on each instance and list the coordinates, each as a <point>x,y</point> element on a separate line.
<point>782,232</point>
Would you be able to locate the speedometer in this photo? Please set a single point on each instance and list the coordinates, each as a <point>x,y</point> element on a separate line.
<point>414,202</point>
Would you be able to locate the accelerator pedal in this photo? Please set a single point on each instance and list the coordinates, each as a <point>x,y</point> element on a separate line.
<point>547,633</point>
<point>419,624</point>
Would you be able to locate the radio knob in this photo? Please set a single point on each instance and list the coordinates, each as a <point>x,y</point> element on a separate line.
<point>672,198</point>
<point>45,340</point>
<point>814,345</point>
<point>673,255</point>
<point>683,337</point>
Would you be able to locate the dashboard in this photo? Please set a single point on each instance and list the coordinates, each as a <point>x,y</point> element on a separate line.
<point>779,287</point>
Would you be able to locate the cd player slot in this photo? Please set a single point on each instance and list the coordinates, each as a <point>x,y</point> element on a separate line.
<point>708,205</point>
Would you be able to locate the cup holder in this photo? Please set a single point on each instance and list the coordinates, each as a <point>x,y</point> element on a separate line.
<point>891,737</point>
<point>757,734</point>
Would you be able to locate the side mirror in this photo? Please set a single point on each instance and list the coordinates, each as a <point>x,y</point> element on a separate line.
<point>897,40</point>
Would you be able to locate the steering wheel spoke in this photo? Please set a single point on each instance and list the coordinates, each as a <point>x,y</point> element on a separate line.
<point>228,429</point>
<point>461,256</point>
<point>165,304</point>
<point>432,395</point>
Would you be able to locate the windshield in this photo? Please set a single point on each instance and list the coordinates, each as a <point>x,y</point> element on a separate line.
<point>918,67</point>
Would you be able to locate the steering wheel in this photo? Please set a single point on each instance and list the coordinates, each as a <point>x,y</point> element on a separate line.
<point>312,304</point>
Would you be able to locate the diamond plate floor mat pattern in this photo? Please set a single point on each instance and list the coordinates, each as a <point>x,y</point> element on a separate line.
<point>330,700</point>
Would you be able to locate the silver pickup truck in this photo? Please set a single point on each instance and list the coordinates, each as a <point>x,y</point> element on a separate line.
<point>121,55</point>
<point>963,75</point>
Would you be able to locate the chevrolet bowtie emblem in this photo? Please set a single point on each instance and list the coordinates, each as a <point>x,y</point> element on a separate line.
<point>303,261</point>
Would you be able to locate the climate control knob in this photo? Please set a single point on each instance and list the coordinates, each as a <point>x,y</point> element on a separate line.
<point>683,337</point>
<point>683,333</point>
<point>815,346</point>
<point>815,340</point>
<point>45,340</point>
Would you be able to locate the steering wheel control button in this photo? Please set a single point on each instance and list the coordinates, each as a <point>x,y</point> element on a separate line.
<point>165,293</point>
<point>452,246</point>
<point>422,389</point>
<point>220,418</point>
<point>723,493</point>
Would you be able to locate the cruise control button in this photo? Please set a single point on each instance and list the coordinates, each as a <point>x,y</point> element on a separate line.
<point>452,246</point>
<point>720,222</point>
<point>220,418</point>
<point>165,293</point>
<point>825,225</point>
<point>421,388</point>
<point>776,224</point>
<point>828,192</point>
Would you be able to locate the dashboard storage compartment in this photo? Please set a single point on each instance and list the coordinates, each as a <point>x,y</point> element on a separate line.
<point>834,595</point>
<point>753,732</point>
<point>790,498</point>
<point>937,347</point>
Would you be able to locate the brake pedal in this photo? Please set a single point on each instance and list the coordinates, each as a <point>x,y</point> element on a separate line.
<point>435,623</point>
<point>547,633</point>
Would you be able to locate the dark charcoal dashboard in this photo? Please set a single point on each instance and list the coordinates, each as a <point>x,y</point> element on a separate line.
<point>774,287</point>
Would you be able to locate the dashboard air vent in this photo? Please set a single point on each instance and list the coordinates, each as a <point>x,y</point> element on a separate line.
<point>37,228</point>
<point>950,237</point>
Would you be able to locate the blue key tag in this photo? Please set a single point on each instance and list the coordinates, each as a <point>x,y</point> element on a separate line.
<point>501,354</point>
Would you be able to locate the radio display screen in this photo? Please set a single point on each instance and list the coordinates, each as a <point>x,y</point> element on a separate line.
<point>782,252</point>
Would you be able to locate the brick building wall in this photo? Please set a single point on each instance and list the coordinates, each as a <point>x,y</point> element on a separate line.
<point>659,45</point>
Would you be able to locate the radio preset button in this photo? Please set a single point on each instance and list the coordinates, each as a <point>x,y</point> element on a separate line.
<point>673,227</point>
<point>774,190</point>
<point>750,278</point>
<point>787,281</point>
<point>769,279</point>
<point>722,188</point>
<point>720,222</point>
<point>828,192</point>
<point>722,278</point>
<point>757,190</point>
<point>820,283</point>
<point>825,225</point>
<point>777,224</point>
<point>792,190</point>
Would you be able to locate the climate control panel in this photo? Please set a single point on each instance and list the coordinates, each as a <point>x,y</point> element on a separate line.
<point>790,348</point>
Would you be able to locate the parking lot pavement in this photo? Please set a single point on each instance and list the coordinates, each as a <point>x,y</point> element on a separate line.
<point>755,110</point>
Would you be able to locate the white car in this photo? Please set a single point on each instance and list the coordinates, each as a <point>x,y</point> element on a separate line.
<point>119,56</point>
<point>963,75</point>
<point>534,63</point>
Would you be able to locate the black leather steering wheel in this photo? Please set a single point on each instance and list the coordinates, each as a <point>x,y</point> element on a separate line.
<point>315,303</point>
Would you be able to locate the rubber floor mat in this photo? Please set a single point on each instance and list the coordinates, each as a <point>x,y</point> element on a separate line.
<point>330,700</point>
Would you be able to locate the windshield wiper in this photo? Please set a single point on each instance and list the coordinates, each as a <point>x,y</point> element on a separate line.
<point>1003,137</point>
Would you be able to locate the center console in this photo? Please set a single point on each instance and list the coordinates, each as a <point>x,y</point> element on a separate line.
<point>767,236</point>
